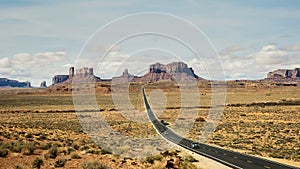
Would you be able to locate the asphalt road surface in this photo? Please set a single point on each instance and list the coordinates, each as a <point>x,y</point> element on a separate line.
<point>229,158</point>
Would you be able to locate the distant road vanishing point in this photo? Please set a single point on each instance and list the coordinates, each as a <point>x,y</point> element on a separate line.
<point>229,158</point>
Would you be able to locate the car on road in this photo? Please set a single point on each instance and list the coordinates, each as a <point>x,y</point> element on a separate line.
<point>195,145</point>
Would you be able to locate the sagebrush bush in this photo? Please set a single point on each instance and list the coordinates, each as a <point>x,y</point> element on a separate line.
<point>16,147</point>
<point>52,152</point>
<point>151,159</point>
<point>60,162</point>
<point>28,148</point>
<point>46,146</point>
<point>3,151</point>
<point>29,135</point>
<point>18,166</point>
<point>75,156</point>
<point>190,159</point>
<point>70,150</point>
<point>37,163</point>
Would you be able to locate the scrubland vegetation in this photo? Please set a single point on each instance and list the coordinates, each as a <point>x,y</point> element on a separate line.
<point>42,130</point>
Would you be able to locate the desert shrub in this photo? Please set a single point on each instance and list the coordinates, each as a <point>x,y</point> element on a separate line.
<point>85,147</point>
<point>52,152</point>
<point>70,150</point>
<point>75,156</point>
<point>170,153</point>
<point>15,147</point>
<point>68,142</point>
<point>187,165</point>
<point>60,162</point>
<point>151,159</point>
<point>7,135</point>
<point>3,151</point>
<point>18,166</point>
<point>103,151</point>
<point>28,148</point>
<point>76,146</point>
<point>190,159</point>
<point>91,151</point>
<point>29,135</point>
<point>200,119</point>
<point>37,163</point>
<point>46,146</point>
<point>94,165</point>
<point>42,137</point>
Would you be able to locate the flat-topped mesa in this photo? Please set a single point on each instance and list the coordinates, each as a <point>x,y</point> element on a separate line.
<point>84,72</point>
<point>59,79</point>
<point>171,71</point>
<point>4,82</point>
<point>172,68</point>
<point>284,74</point>
<point>81,74</point>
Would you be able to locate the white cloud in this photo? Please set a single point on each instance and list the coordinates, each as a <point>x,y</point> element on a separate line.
<point>43,66</point>
<point>232,49</point>
<point>4,62</point>
<point>258,64</point>
<point>270,55</point>
<point>292,48</point>
<point>34,68</point>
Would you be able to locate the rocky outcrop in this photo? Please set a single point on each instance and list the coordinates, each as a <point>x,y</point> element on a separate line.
<point>71,72</point>
<point>125,77</point>
<point>4,82</point>
<point>59,79</point>
<point>172,68</point>
<point>284,74</point>
<point>174,71</point>
<point>83,74</point>
<point>43,84</point>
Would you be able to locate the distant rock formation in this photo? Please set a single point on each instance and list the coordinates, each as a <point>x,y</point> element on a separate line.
<point>71,72</point>
<point>284,74</point>
<point>59,79</point>
<point>4,82</point>
<point>174,71</point>
<point>43,84</point>
<point>85,73</point>
<point>28,84</point>
<point>125,77</point>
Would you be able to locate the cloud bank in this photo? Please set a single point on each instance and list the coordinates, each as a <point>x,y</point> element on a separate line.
<point>34,68</point>
<point>43,66</point>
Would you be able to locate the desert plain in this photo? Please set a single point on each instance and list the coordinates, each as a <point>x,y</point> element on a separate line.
<point>40,128</point>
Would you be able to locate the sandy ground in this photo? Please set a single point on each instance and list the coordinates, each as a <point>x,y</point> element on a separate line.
<point>203,162</point>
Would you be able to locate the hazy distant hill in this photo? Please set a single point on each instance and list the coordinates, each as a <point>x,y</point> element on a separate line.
<point>4,82</point>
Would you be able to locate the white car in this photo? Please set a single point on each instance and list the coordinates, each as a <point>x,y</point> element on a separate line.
<point>195,145</point>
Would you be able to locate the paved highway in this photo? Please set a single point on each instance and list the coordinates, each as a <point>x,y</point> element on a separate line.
<point>230,158</point>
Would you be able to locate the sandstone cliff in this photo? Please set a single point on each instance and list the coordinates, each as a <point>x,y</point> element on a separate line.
<point>4,82</point>
<point>284,74</point>
<point>43,84</point>
<point>125,77</point>
<point>85,73</point>
<point>174,71</point>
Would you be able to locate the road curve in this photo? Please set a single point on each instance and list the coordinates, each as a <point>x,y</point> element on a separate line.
<point>229,158</point>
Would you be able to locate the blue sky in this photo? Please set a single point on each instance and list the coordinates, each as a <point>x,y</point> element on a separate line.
<point>42,38</point>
